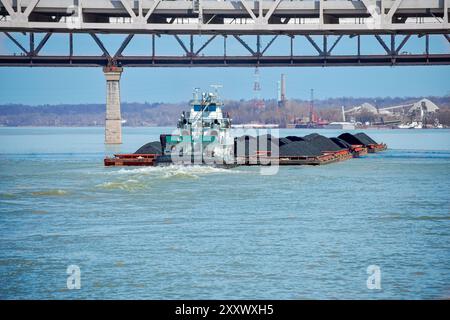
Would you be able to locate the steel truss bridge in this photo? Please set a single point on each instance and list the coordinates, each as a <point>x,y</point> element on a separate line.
<point>393,23</point>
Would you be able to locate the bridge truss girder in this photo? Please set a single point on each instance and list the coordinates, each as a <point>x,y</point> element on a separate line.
<point>255,55</point>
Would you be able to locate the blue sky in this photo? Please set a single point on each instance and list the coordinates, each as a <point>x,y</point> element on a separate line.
<point>87,85</point>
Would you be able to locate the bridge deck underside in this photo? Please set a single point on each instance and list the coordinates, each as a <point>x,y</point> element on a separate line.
<point>231,61</point>
<point>233,18</point>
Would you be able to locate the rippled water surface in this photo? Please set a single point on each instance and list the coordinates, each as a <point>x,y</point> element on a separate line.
<point>203,232</point>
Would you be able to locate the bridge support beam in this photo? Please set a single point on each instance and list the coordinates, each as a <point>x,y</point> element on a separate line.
<point>113,123</point>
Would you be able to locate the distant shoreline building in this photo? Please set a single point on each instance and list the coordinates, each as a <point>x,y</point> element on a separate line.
<point>420,114</point>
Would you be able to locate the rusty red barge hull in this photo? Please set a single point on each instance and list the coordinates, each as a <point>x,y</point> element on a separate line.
<point>325,158</point>
<point>131,160</point>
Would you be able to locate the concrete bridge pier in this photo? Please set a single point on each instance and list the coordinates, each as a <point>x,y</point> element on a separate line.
<point>113,124</point>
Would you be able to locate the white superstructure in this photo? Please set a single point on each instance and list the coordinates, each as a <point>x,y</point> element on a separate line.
<point>203,133</point>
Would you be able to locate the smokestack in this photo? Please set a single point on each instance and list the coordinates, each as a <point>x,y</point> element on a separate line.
<point>282,91</point>
<point>283,87</point>
<point>278,92</point>
<point>343,114</point>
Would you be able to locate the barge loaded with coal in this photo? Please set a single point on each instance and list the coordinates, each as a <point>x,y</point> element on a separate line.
<point>204,137</point>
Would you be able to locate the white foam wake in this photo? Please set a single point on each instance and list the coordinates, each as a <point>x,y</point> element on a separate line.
<point>174,170</point>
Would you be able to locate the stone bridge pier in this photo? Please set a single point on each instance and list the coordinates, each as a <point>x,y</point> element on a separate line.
<point>113,123</point>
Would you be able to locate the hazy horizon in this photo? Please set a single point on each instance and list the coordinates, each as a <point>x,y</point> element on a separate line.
<point>7,103</point>
<point>35,86</point>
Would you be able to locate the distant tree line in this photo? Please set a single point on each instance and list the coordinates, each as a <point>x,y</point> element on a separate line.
<point>166,114</point>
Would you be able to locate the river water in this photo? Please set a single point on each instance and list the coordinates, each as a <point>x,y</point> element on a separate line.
<point>207,233</point>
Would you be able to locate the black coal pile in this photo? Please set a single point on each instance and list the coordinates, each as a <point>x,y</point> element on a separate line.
<point>266,142</point>
<point>294,138</point>
<point>245,146</point>
<point>359,138</point>
<point>150,148</point>
<point>322,143</point>
<point>312,145</point>
<point>283,141</point>
<point>350,139</point>
<point>341,143</point>
<point>365,138</point>
<point>299,149</point>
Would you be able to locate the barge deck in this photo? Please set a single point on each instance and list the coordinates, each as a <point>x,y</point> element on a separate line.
<point>257,160</point>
